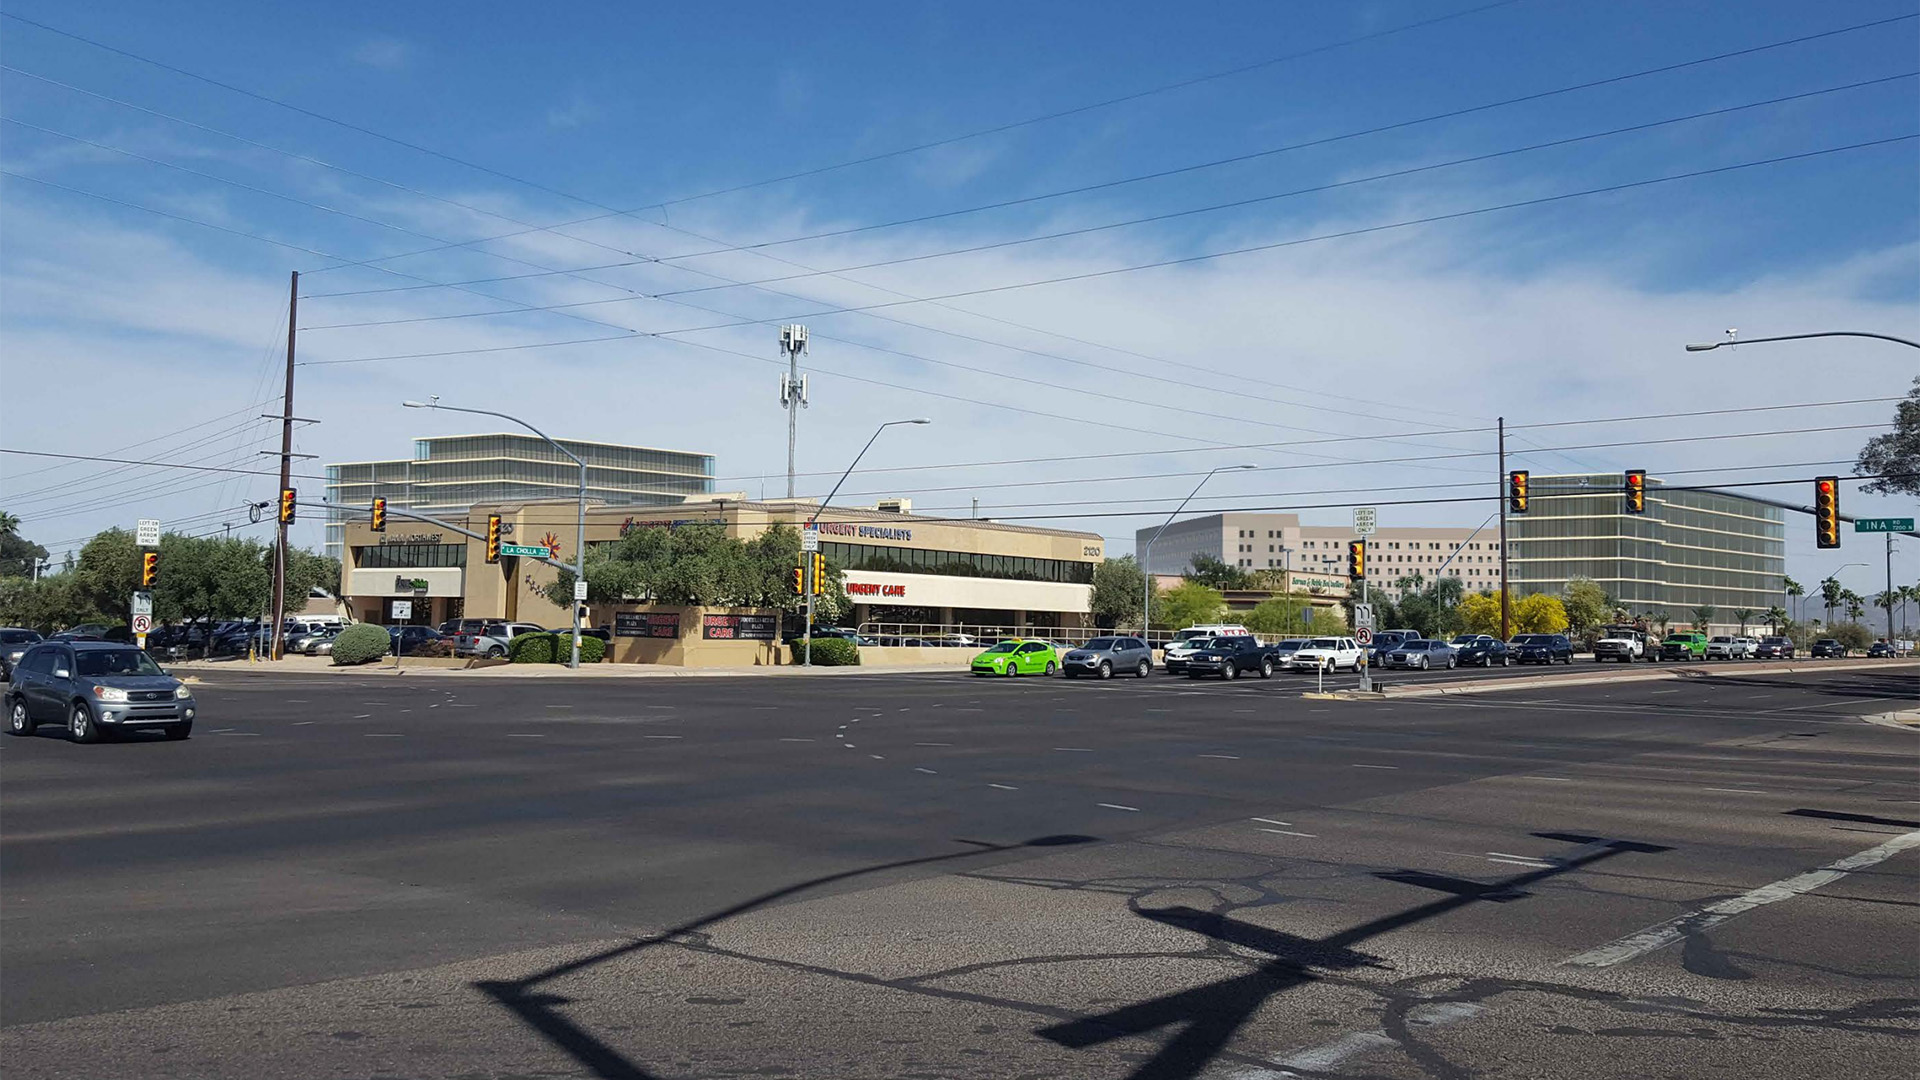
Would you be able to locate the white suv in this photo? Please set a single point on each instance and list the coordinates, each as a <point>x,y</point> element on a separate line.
<point>1327,654</point>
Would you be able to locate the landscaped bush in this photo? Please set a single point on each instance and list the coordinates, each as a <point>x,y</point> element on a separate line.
<point>532,648</point>
<point>828,652</point>
<point>361,643</point>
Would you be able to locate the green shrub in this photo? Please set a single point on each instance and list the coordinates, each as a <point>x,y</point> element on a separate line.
<point>361,643</point>
<point>532,648</point>
<point>829,652</point>
<point>592,650</point>
<point>1852,635</point>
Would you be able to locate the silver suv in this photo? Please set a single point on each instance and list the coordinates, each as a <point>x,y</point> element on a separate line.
<point>492,639</point>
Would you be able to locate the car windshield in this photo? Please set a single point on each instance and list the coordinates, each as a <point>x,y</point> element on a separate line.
<point>18,637</point>
<point>1100,644</point>
<point>1290,645</point>
<point>1323,643</point>
<point>1680,637</point>
<point>1190,635</point>
<point>1773,641</point>
<point>94,663</point>
<point>1722,640</point>
<point>1827,641</point>
<point>1465,639</point>
<point>1004,647</point>
<point>1529,639</point>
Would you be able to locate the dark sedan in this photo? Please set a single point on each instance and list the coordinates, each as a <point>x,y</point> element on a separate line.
<point>14,643</point>
<point>1774,648</point>
<point>1422,653</point>
<point>1482,649</point>
<point>1828,647</point>
<point>412,640</point>
<point>1541,649</point>
<point>1881,650</point>
<point>1385,641</point>
<point>1230,655</point>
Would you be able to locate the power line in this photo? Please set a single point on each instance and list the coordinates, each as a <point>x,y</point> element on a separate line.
<point>143,442</point>
<point>159,464</point>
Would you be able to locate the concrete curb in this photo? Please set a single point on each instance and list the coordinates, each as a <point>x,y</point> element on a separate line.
<point>1669,674</point>
<point>1906,719</point>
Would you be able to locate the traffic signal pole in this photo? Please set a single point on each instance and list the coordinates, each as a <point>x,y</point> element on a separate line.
<point>286,473</point>
<point>1506,620</point>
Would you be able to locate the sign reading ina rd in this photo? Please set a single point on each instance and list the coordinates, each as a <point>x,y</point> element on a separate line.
<point>535,551</point>
<point>1861,525</point>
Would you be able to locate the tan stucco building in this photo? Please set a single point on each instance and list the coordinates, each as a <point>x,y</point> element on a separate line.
<point>899,568</point>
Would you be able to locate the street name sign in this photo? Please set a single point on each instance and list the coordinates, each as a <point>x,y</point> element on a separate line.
<point>531,550</point>
<point>146,532</point>
<point>1861,525</point>
<point>1365,520</point>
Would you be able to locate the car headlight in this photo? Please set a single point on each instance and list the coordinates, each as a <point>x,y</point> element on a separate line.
<point>182,693</point>
<point>108,693</point>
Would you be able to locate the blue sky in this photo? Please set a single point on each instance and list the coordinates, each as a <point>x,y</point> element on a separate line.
<point>1565,310</point>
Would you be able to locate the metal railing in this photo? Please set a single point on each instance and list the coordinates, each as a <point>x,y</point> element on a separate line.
<point>988,633</point>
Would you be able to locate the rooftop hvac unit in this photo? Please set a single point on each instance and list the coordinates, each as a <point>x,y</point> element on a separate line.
<point>894,506</point>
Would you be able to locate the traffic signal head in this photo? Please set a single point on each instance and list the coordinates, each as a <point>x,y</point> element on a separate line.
<point>1517,491</point>
<point>493,538</point>
<point>1636,491</point>
<point>819,574</point>
<point>1826,512</point>
<point>1356,560</point>
<point>799,581</point>
<point>379,515</point>
<point>289,505</point>
<point>149,569</point>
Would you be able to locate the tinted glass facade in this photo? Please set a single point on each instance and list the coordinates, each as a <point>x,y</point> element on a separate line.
<point>455,472</point>
<point>1690,549</point>
<point>956,563</point>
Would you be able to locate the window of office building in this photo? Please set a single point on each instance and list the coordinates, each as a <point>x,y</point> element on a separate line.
<point>955,563</point>
<point>409,556</point>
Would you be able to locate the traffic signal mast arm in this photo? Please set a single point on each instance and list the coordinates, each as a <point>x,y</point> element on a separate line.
<point>447,525</point>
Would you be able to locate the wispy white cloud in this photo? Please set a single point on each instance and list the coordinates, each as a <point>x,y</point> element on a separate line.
<point>384,53</point>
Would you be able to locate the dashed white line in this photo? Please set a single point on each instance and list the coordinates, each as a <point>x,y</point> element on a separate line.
<point>1117,806</point>
<point>1285,832</point>
<point>1736,790</point>
<point>1074,749</point>
<point>797,740</point>
<point>663,736</point>
<point>1004,787</point>
<point>300,723</point>
<point>221,730</point>
<point>1699,920</point>
<point>1375,766</point>
<point>933,744</point>
<point>1270,821</point>
<point>1223,757</point>
<point>1556,779</point>
<point>361,716</point>
<point>929,772</point>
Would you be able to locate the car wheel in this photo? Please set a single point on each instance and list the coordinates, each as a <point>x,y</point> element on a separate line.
<point>1266,669</point>
<point>80,725</point>
<point>1425,663</point>
<point>1051,667</point>
<point>177,732</point>
<point>1106,669</point>
<point>18,722</point>
<point>496,652</point>
<point>1231,671</point>
<point>1143,670</point>
<point>1010,670</point>
<point>1506,661</point>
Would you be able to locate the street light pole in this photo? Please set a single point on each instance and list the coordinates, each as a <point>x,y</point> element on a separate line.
<point>1708,346</point>
<point>814,520</point>
<point>580,520</point>
<point>1146,554</point>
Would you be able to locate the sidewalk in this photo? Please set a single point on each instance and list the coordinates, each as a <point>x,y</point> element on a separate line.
<point>321,665</point>
<point>1663,672</point>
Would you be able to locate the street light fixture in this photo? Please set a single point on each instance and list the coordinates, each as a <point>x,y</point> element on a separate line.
<point>580,533</point>
<point>806,657</point>
<point>1146,552</point>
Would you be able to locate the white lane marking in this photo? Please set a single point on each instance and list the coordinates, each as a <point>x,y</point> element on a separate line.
<point>940,743</point>
<point>436,704</point>
<point>1523,862</point>
<point>304,723</point>
<point>1661,935</point>
<point>1270,821</point>
<point>1285,832</point>
<point>1650,691</point>
<point>376,703</point>
<point>843,727</point>
<point>517,735</point>
<point>1367,766</point>
<point>1519,858</point>
<point>1330,1055</point>
<point>848,745</point>
<point>930,772</point>
<point>878,757</point>
<point>1736,790</point>
<point>457,705</point>
<point>1074,749</point>
<point>810,740</point>
<point>1222,757</point>
<point>1556,779</point>
<point>1005,787</point>
<point>1117,806</point>
<point>224,730</point>
<point>663,736</point>
<point>364,715</point>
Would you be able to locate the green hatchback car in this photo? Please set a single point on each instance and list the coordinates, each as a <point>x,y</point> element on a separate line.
<point>1018,657</point>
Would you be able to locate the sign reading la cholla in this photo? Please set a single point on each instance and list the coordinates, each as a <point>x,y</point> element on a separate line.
<point>865,532</point>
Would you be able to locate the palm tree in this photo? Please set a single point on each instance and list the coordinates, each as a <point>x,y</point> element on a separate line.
<point>1856,605</point>
<point>1662,620</point>
<point>1886,600</point>
<point>1908,594</point>
<point>1745,615</point>
<point>1831,592</point>
<point>1703,615</point>
<point>1775,616</point>
<point>1795,591</point>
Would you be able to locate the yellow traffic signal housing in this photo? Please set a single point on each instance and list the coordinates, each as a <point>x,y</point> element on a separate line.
<point>289,505</point>
<point>1636,491</point>
<point>149,569</point>
<point>1826,511</point>
<point>819,574</point>
<point>493,538</point>
<point>379,515</point>
<point>1517,491</point>
<point>799,581</point>
<point>1356,560</point>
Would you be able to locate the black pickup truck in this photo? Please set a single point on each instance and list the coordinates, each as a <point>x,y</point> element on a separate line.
<point>1230,655</point>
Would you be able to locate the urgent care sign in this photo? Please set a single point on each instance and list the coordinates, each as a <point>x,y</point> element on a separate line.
<point>872,588</point>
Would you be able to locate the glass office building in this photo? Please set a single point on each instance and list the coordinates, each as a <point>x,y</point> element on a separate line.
<point>453,472</point>
<point>1690,549</point>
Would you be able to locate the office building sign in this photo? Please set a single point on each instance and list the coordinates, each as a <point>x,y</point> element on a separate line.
<point>651,624</point>
<point>868,588</point>
<point>739,627</point>
<point>865,532</point>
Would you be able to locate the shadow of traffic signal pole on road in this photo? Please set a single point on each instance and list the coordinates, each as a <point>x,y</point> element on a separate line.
<point>541,1011</point>
<point>1211,1014</point>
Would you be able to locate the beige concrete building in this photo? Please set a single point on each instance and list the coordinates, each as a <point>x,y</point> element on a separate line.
<point>899,568</point>
<point>1260,541</point>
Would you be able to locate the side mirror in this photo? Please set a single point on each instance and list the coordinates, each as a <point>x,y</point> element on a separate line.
<point>62,673</point>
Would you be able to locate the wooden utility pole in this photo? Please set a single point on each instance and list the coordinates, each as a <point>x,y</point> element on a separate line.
<point>286,473</point>
<point>1506,621</point>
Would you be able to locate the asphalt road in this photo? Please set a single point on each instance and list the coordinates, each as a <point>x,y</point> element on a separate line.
<point>940,876</point>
